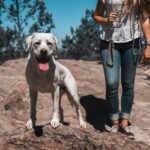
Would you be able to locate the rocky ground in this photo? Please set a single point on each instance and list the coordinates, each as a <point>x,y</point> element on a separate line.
<point>14,112</point>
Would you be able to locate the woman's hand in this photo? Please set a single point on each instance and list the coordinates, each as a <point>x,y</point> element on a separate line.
<point>112,17</point>
<point>99,16</point>
<point>146,55</point>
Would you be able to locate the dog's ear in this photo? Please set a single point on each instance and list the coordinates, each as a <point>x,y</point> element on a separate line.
<point>56,40</point>
<point>55,47</point>
<point>29,39</point>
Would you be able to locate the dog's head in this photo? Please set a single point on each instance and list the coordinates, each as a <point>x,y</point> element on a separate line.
<point>42,46</point>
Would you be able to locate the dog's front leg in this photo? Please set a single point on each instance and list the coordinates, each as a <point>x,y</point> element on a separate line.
<point>55,97</point>
<point>33,101</point>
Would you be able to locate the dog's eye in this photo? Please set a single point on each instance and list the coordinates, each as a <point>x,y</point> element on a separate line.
<point>49,43</point>
<point>37,43</point>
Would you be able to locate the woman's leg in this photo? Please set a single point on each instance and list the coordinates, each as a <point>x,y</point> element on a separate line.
<point>128,72</point>
<point>112,83</point>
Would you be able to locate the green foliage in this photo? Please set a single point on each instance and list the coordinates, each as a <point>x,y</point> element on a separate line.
<point>2,6</point>
<point>43,21</point>
<point>7,37</point>
<point>84,40</point>
<point>7,44</point>
<point>19,13</point>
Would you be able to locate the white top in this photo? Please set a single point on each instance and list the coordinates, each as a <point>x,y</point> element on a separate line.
<point>125,29</point>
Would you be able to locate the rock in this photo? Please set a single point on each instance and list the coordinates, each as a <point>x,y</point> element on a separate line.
<point>67,138</point>
<point>14,112</point>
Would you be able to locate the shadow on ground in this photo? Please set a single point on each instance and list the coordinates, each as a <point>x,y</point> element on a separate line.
<point>96,111</point>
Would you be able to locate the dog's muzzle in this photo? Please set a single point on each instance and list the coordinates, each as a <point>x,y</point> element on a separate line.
<point>43,60</point>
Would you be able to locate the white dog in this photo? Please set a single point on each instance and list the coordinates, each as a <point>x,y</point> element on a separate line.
<point>45,74</point>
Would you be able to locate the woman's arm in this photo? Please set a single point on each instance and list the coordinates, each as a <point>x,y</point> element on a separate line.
<point>146,31</point>
<point>99,14</point>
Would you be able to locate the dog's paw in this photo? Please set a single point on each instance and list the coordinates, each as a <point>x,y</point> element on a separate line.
<point>55,123</point>
<point>29,124</point>
<point>83,124</point>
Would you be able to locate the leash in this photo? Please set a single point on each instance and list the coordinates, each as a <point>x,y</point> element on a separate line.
<point>110,53</point>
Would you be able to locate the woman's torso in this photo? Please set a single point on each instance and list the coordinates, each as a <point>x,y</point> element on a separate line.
<point>126,29</point>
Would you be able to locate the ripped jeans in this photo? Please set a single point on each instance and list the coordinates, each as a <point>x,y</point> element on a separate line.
<point>126,64</point>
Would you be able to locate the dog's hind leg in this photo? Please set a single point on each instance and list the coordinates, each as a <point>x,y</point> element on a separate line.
<point>60,107</point>
<point>71,90</point>
<point>33,101</point>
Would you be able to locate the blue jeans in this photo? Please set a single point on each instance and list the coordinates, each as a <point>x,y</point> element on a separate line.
<point>126,64</point>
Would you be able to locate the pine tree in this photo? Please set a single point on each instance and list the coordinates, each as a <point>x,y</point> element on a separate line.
<point>43,20</point>
<point>84,40</point>
<point>21,12</point>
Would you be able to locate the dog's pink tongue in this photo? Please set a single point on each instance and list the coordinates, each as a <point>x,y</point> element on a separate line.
<point>44,67</point>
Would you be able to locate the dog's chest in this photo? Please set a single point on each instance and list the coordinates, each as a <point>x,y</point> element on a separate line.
<point>44,84</point>
<point>43,81</point>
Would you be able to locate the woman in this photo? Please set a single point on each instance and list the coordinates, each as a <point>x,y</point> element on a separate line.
<point>121,24</point>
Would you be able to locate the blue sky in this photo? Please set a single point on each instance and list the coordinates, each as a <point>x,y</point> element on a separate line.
<point>67,13</point>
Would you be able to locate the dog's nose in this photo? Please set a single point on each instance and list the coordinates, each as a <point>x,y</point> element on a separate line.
<point>43,51</point>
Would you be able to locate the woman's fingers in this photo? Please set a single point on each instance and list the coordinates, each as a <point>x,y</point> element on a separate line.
<point>146,56</point>
<point>147,52</point>
<point>112,16</point>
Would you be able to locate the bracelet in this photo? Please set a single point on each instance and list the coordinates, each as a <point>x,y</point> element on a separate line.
<point>107,19</point>
<point>147,43</point>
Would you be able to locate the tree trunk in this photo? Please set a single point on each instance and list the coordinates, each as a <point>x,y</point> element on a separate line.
<point>19,37</point>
